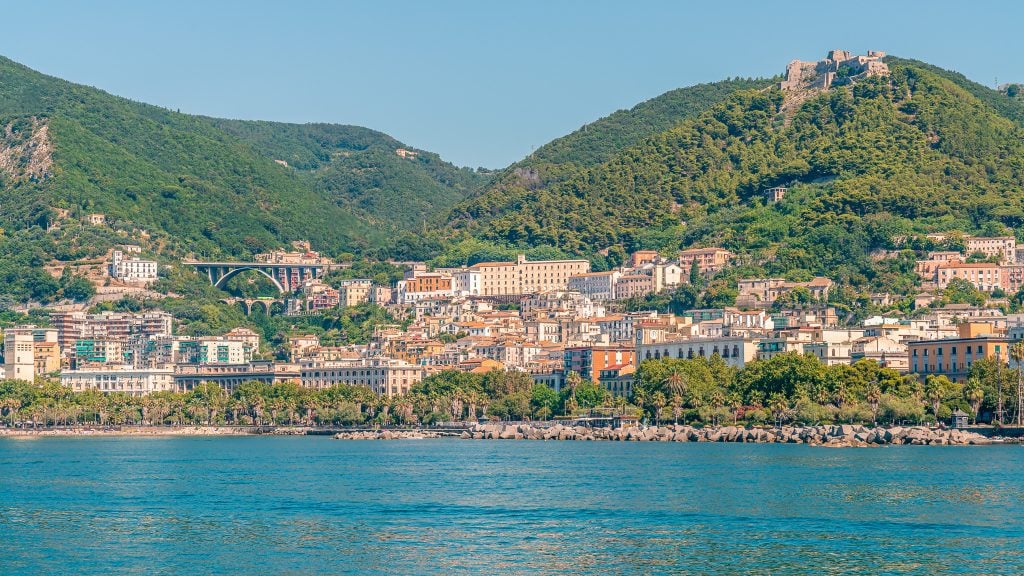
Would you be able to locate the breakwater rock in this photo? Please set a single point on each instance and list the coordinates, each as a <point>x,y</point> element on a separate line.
<point>835,436</point>
<point>386,435</point>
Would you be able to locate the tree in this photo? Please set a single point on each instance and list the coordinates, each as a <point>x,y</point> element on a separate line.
<point>937,389</point>
<point>779,406</point>
<point>696,280</point>
<point>659,401</point>
<point>543,401</point>
<point>961,291</point>
<point>873,397</point>
<point>590,395</point>
<point>975,395</point>
<point>78,289</point>
<point>1017,354</point>
<point>675,382</point>
<point>677,408</point>
<point>572,382</point>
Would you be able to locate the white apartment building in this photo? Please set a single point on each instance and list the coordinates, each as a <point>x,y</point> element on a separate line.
<point>736,351</point>
<point>597,286</point>
<point>132,269</point>
<point>466,282</point>
<point>19,355</point>
<point>30,351</point>
<point>385,376</point>
<point>1005,247</point>
<point>830,353</point>
<point>133,381</point>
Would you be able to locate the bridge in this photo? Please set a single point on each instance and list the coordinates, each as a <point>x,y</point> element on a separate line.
<point>269,306</point>
<point>286,277</point>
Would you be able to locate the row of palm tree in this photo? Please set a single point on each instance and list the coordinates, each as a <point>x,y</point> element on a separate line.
<point>252,403</point>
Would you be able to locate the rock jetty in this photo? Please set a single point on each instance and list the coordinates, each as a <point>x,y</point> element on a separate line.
<point>386,435</point>
<point>834,436</point>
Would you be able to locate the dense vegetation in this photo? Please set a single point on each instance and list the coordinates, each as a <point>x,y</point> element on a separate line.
<point>201,314</point>
<point>789,388</point>
<point>359,169</point>
<point>183,184</point>
<point>870,166</point>
<point>601,139</point>
<point>800,388</point>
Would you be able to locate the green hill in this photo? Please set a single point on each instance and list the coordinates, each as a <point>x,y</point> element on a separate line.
<point>361,169</point>
<point>561,160</point>
<point>867,165</point>
<point>182,184</point>
<point>600,140</point>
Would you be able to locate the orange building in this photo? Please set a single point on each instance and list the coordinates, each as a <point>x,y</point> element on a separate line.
<point>641,257</point>
<point>423,286</point>
<point>590,361</point>
<point>707,259</point>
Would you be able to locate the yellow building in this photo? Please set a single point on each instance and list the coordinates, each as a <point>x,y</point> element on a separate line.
<point>354,293</point>
<point>953,357</point>
<point>30,351</point>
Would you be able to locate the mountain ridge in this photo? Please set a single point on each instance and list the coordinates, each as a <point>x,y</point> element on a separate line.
<point>866,163</point>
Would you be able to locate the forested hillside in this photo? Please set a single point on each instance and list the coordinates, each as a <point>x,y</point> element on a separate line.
<point>598,141</point>
<point>363,170</point>
<point>563,159</point>
<point>866,164</point>
<point>182,184</point>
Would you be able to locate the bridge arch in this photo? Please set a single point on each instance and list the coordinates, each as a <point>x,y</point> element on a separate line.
<point>264,304</point>
<point>222,281</point>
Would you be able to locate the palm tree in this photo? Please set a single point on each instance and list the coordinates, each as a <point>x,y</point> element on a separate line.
<point>933,393</point>
<point>10,406</point>
<point>659,401</point>
<point>572,381</point>
<point>675,383</point>
<point>235,405</point>
<point>975,396</point>
<point>841,394</point>
<point>717,400</point>
<point>1017,353</point>
<point>874,396</point>
<point>275,406</point>
<point>735,403</point>
<point>677,408</point>
<point>457,404</point>
<point>779,407</point>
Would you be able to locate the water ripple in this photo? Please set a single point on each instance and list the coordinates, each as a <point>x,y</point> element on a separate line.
<point>313,505</point>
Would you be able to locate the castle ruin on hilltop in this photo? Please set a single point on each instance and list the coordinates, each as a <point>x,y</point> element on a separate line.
<point>840,65</point>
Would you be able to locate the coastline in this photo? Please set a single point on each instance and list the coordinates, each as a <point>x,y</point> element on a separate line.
<point>79,431</point>
<point>832,436</point>
<point>835,436</point>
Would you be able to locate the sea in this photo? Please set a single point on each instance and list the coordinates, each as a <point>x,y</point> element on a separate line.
<point>313,505</point>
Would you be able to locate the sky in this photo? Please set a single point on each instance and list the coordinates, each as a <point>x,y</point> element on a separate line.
<point>480,82</point>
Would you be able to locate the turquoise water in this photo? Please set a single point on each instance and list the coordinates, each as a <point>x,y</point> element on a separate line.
<point>265,505</point>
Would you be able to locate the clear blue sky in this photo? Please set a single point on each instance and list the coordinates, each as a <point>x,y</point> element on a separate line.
<point>478,82</point>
